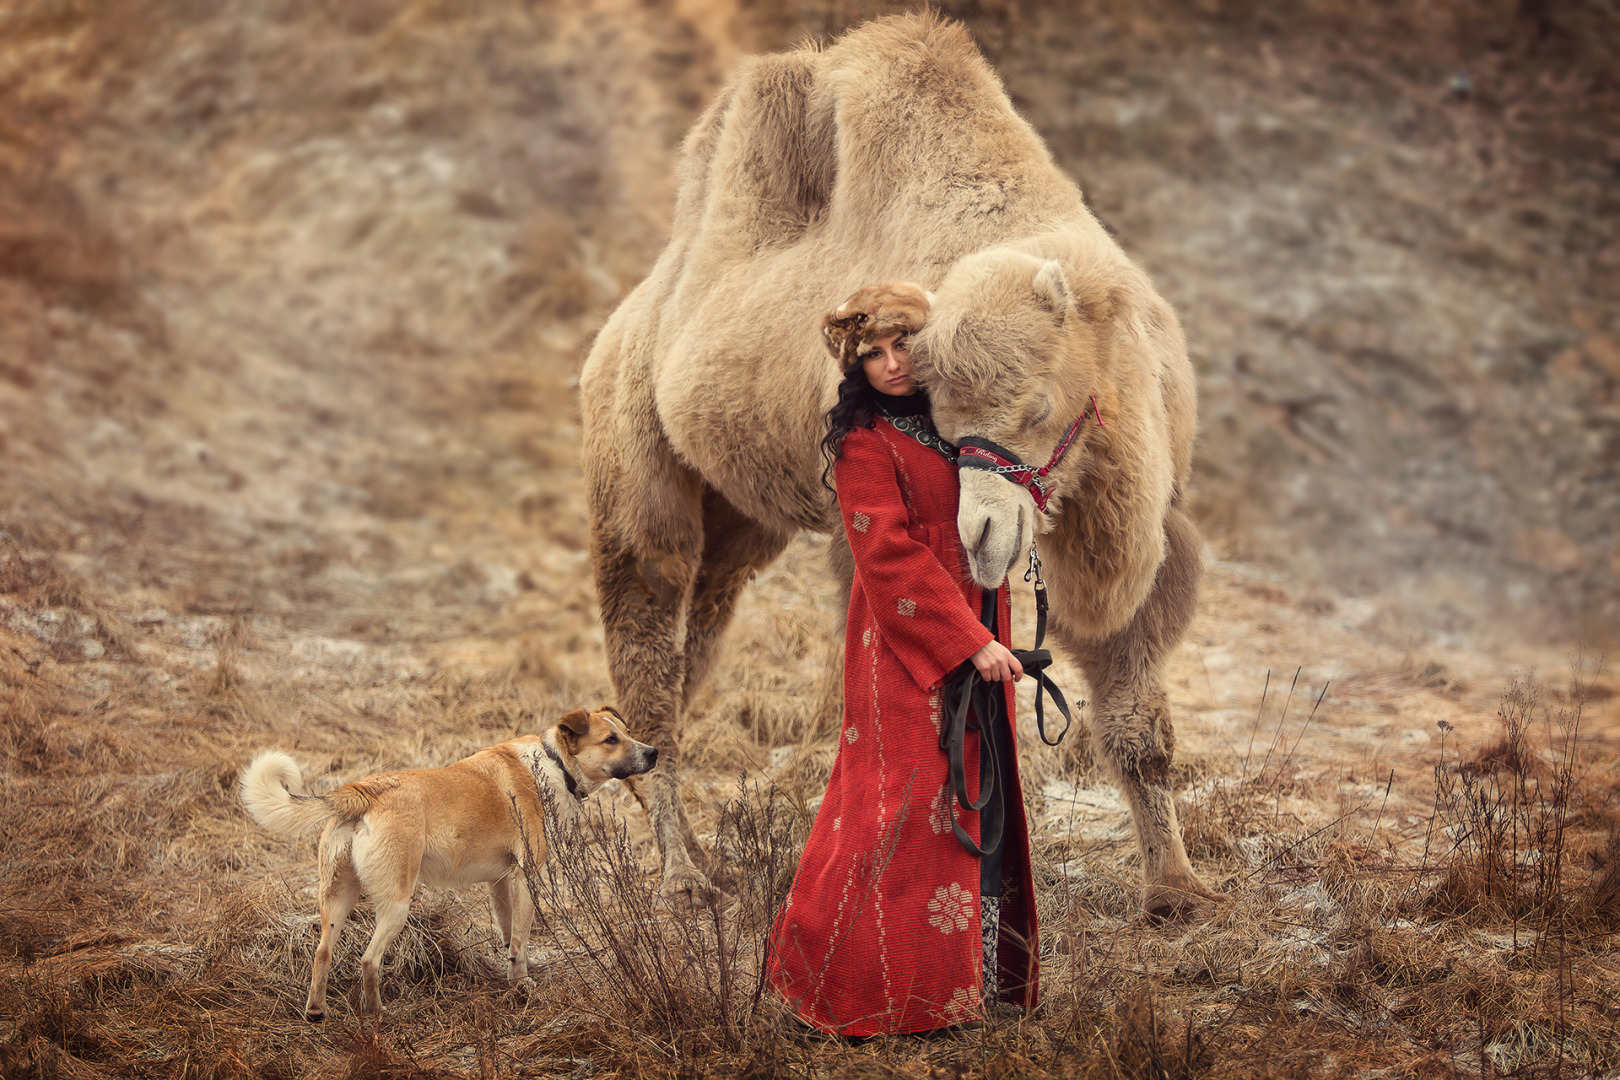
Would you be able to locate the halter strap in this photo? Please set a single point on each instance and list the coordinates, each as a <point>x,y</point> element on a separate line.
<point>976,453</point>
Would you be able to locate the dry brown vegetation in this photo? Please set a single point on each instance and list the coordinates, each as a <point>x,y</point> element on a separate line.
<point>292,298</point>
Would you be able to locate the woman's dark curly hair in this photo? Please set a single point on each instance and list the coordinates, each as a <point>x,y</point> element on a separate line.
<point>852,410</point>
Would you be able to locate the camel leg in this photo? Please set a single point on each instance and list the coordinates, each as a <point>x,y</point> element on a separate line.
<point>734,549</point>
<point>646,509</point>
<point>644,590</point>
<point>642,617</point>
<point>1132,731</point>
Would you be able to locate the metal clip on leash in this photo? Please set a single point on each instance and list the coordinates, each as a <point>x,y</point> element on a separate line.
<point>1037,660</point>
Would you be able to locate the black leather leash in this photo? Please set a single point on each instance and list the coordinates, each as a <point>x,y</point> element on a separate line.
<point>968,692</point>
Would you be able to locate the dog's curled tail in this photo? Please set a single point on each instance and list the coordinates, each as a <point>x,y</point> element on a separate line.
<point>273,791</point>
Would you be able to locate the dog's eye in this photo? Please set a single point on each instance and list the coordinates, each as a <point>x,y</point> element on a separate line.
<point>612,740</point>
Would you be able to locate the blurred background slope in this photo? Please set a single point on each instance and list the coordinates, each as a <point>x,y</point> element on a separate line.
<point>289,290</point>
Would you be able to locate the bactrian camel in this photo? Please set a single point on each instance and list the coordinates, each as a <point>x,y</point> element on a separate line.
<point>892,153</point>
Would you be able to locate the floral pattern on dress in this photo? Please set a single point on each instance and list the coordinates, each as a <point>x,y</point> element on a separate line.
<point>963,1006</point>
<point>951,909</point>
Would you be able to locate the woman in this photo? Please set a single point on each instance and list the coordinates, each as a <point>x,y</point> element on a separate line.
<point>892,925</point>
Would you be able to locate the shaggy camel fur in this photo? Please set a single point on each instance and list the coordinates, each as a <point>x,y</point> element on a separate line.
<point>891,154</point>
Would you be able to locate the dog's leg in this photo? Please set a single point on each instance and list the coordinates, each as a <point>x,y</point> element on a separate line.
<point>388,863</point>
<point>340,891</point>
<point>521,908</point>
<point>391,916</point>
<point>500,900</point>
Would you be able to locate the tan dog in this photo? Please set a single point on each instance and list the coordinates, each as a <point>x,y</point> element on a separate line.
<point>448,827</point>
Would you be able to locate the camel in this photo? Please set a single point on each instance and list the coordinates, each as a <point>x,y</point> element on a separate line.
<point>891,154</point>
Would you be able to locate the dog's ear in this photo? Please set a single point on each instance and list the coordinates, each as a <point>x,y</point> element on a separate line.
<point>615,713</point>
<point>577,723</point>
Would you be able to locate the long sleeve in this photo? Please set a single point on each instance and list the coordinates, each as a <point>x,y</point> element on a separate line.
<point>917,604</point>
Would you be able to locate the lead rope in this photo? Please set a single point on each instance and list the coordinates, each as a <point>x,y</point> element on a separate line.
<point>969,691</point>
<point>1037,660</point>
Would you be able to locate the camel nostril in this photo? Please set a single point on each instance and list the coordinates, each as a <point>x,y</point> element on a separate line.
<point>984,536</point>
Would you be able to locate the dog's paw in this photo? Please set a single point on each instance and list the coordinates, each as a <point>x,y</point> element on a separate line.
<point>520,992</point>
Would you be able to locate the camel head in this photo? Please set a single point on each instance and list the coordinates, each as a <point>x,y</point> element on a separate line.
<point>1011,353</point>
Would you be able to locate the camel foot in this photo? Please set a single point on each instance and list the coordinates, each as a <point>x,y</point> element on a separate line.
<point>314,1017</point>
<point>686,887</point>
<point>1183,901</point>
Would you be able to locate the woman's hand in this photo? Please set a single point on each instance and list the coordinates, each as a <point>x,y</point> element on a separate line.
<point>996,663</point>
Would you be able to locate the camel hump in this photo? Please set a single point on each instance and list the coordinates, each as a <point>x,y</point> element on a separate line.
<point>761,166</point>
<point>762,159</point>
<point>923,32</point>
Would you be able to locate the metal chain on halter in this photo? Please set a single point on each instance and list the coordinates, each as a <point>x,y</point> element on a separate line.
<point>1004,470</point>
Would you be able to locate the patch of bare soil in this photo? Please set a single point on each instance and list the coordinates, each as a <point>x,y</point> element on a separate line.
<point>293,296</point>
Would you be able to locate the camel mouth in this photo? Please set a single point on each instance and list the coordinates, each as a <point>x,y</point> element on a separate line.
<point>995,521</point>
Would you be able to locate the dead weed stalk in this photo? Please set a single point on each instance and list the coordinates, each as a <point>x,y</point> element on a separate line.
<point>1507,813</point>
<point>685,986</point>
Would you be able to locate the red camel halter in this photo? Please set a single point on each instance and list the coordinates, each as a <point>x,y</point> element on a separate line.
<point>967,695</point>
<point>976,453</point>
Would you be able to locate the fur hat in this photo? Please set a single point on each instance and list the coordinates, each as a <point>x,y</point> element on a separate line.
<point>872,312</point>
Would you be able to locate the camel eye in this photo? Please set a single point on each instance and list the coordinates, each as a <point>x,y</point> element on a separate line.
<point>1042,413</point>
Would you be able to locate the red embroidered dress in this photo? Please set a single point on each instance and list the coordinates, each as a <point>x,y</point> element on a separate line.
<point>880,932</point>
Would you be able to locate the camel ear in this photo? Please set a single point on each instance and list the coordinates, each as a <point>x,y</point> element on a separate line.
<point>1052,287</point>
<point>576,723</point>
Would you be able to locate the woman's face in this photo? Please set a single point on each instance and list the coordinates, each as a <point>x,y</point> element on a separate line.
<point>887,364</point>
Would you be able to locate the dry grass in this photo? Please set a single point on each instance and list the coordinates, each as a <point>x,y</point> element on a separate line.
<point>1334,949</point>
<point>289,457</point>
